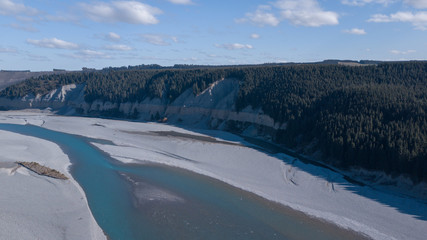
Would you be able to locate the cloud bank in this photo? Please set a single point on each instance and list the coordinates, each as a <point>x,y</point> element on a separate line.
<point>417,3</point>
<point>417,19</point>
<point>182,2</point>
<point>158,39</point>
<point>364,2</point>
<point>298,12</point>
<point>8,7</point>
<point>122,11</point>
<point>233,46</point>
<point>355,31</point>
<point>119,47</point>
<point>53,43</point>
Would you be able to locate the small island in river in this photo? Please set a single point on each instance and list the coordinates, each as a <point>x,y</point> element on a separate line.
<point>43,170</point>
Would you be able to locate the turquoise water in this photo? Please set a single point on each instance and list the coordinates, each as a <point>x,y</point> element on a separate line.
<point>132,201</point>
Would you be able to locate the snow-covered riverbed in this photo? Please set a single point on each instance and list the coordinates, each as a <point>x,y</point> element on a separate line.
<point>316,191</point>
<point>39,207</point>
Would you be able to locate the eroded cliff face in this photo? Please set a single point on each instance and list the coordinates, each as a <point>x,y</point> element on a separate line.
<point>214,107</point>
<point>55,99</point>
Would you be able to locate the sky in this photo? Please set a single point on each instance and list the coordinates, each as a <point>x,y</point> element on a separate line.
<point>40,35</point>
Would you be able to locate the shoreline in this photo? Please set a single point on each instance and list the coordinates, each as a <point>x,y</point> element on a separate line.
<point>296,215</point>
<point>335,201</point>
<point>357,176</point>
<point>329,228</point>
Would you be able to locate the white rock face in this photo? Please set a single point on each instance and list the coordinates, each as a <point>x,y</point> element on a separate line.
<point>212,107</point>
<point>55,99</point>
<point>59,94</point>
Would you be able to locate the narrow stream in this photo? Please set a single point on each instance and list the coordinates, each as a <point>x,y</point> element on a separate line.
<point>134,201</point>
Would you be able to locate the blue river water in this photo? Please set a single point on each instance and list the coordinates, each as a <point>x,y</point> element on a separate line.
<point>131,201</point>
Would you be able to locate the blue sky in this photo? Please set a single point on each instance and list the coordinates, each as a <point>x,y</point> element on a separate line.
<point>70,34</point>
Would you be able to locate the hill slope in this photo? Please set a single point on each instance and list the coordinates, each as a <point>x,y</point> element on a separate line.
<point>373,117</point>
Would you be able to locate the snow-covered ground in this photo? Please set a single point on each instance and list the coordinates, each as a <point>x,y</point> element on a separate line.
<point>38,207</point>
<point>316,191</point>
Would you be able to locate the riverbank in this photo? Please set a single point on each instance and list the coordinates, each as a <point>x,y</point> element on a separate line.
<point>200,207</point>
<point>34,206</point>
<point>316,191</point>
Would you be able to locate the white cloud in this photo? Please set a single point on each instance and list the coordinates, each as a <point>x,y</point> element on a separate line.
<point>417,3</point>
<point>159,39</point>
<point>418,19</point>
<point>122,11</point>
<point>414,3</point>
<point>8,7</point>
<point>355,31</point>
<point>380,18</point>
<point>398,52</point>
<point>53,43</point>
<point>261,17</point>
<point>255,36</point>
<point>119,47</point>
<point>364,2</point>
<point>87,54</point>
<point>298,12</point>
<point>306,13</point>
<point>91,53</point>
<point>183,2</point>
<point>233,46</point>
<point>113,36</point>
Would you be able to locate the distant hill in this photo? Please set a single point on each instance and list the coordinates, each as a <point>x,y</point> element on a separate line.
<point>191,66</point>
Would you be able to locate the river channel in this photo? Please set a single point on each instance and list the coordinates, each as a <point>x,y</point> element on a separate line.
<point>148,201</point>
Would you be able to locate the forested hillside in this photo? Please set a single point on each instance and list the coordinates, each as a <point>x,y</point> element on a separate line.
<point>371,116</point>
